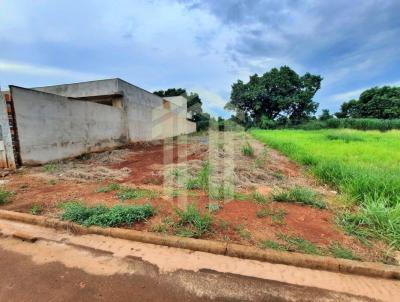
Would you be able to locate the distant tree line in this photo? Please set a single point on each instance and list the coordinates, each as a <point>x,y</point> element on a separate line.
<point>282,98</point>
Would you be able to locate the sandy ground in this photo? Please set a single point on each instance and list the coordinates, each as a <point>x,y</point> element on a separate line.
<point>165,166</point>
<point>60,266</point>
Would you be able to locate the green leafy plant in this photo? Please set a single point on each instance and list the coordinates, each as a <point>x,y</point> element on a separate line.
<point>103,216</point>
<point>5,196</point>
<point>191,223</point>
<point>300,195</point>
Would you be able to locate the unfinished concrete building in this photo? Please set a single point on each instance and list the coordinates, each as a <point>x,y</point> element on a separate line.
<point>50,123</point>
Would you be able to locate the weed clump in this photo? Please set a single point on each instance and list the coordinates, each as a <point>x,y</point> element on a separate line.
<point>299,244</point>
<point>270,244</point>
<point>5,196</point>
<point>37,209</point>
<point>247,150</point>
<point>134,193</point>
<point>192,223</point>
<point>300,195</point>
<point>339,251</point>
<point>103,216</point>
<point>109,188</point>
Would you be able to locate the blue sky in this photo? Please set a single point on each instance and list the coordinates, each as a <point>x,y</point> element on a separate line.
<point>203,46</point>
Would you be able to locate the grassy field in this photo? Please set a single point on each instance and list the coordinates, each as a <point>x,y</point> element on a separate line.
<point>363,165</point>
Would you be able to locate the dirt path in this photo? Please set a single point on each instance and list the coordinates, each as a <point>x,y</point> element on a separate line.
<point>63,267</point>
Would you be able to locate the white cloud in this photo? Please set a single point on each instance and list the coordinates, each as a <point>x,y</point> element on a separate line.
<point>43,71</point>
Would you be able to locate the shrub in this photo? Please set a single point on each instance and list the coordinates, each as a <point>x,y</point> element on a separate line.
<point>103,216</point>
<point>247,150</point>
<point>300,195</point>
<point>191,223</point>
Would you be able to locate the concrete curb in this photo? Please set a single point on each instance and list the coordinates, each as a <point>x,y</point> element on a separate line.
<point>220,248</point>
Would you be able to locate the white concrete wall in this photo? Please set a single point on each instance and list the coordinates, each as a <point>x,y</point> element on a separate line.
<point>148,119</point>
<point>84,89</point>
<point>52,127</point>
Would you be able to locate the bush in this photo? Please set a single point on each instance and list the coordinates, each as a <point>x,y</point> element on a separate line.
<point>103,216</point>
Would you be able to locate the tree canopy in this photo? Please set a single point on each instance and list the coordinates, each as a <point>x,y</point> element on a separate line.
<point>380,103</point>
<point>277,93</point>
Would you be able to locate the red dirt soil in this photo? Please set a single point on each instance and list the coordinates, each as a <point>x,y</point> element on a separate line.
<point>147,163</point>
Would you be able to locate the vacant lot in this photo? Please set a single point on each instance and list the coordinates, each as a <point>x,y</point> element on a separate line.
<point>363,166</point>
<point>222,186</point>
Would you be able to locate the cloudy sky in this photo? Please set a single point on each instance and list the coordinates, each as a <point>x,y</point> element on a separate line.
<point>203,46</point>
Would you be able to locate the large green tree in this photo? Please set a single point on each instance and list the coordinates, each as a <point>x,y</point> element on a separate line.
<point>276,93</point>
<point>382,103</point>
<point>194,105</point>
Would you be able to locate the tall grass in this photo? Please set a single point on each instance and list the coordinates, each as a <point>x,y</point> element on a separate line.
<point>365,166</point>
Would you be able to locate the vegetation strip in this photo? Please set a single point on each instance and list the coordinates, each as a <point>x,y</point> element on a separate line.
<point>362,165</point>
<point>215,247</point>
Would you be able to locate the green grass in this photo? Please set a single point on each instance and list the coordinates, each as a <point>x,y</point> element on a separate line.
<point>37,209</point>
<point>300,195</point>
<point>109,188</point>
<point>260,198</point>
<point>201,181</point>
<point>126,193</point>
<point>5,196</point>
<point>103,216</point>
<point>50,167</point>
<point>362,165</point>
<point>299,244</point>
<point>247,150</point>
<point>339,251</point>
<point>245,234</point>
<point>277,216</point>
<point>270,244</point>
<point>191,223</point>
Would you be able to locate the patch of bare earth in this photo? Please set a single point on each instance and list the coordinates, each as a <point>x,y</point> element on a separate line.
<point>165,167</point>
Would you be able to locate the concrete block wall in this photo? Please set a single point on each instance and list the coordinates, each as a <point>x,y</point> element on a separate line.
<point>52,127</point>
